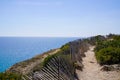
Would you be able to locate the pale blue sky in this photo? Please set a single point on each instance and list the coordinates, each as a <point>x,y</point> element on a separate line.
<point>59,18</point>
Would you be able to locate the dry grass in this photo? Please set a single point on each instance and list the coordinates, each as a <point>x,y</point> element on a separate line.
<point>26,66</point>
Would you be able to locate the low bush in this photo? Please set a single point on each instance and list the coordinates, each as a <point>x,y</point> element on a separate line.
<point>108,52</point>
<point>108,55</point>
<point>10,76</point>
<point>66,48</point>
<point>49,57</point>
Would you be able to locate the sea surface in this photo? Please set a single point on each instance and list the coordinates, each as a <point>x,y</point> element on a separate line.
<point>16,49</point>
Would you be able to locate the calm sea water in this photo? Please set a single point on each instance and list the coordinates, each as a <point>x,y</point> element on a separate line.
<point>16,49</point>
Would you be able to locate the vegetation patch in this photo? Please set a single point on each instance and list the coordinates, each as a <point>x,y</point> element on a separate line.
<point>10,76</point>
<point>65,49</point>
<point>108,52</point>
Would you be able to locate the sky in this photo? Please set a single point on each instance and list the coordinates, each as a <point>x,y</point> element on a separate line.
<point>59,18</point>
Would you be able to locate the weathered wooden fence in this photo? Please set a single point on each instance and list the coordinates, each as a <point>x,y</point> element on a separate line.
<point>62,67</point>
<point>58,68</point>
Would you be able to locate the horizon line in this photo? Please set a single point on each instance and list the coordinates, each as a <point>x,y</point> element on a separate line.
<point>46,36</point>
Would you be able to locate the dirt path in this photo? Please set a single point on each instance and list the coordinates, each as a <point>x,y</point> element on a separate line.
<point>91,70</point>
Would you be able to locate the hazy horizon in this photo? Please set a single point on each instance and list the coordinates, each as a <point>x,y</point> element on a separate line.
<point>61,18</point>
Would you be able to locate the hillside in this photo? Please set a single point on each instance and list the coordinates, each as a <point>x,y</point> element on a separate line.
<point>76,60</point>
<point>27,66</point>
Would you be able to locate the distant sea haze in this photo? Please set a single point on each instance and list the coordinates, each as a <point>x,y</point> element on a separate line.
<point>16,49</point>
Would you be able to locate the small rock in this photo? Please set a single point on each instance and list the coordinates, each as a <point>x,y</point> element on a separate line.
<point>107,68</point>
<point>92,62</point>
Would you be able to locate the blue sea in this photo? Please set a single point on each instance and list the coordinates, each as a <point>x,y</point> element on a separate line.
<point>16,49</point>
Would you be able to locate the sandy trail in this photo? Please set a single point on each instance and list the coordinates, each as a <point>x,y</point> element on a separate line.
<point>91,70</point>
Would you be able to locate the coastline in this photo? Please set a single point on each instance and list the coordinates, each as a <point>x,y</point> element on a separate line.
<point>73,59</point>
<point>24,67</point>
<point>15,50</point>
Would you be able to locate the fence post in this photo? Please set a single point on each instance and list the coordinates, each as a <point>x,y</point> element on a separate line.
<point>58,69</point>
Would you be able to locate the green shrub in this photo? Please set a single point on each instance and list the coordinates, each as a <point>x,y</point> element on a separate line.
<point>105,44</point>
<point>108,52</point>
<point>10,76</point>
<point>49,57</point>
<point>108,55</point>
<point>65,48</point>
